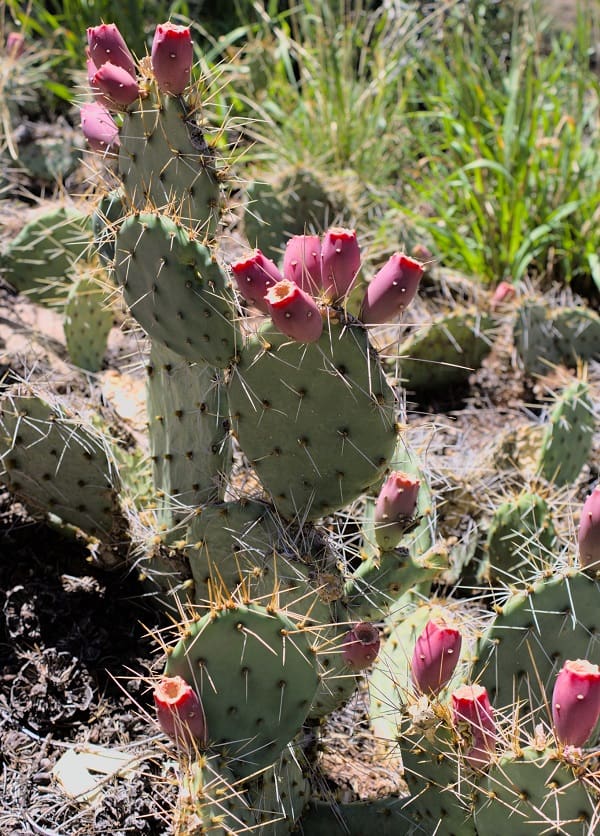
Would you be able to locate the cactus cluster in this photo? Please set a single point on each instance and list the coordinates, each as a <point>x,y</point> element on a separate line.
<point>291,528</point>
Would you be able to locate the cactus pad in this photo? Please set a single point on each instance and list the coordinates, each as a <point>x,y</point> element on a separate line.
<point>256,675</point>
<point>165,164</point>
<point>568,436</point>
<point>446,351</point>
<point>175,290</point>
<point>57,464</point>
<point>87,323</point>
<point>317,422</point>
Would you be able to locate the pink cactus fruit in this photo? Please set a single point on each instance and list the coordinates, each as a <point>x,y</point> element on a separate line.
<point>254,274</point>
<point>471,705</point>
<point>302,262</point>
<point>576,702</point>
<point>435,657</point>
<point>340,262</point>
<point>99,128</point>
<point>395,507</point>
<point>392,289</point>
<point>107,44</point>
<point>116,84</point>
<point>589,531</point>
<point>172,57</point>
<point>179,711</point>
<point>504,292</point>
<point>360,646</point>
<point>15,45</point>
<point>294,312</point>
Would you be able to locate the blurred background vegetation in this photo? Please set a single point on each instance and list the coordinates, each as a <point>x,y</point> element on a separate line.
<point>469,127</point>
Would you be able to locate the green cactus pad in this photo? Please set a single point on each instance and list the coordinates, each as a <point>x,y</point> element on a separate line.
<point>165,164</point>
<point>189,431</point>
<point>107,216</point>
<point>446,351</point>
<point>56,463</point>
<point>176,291</point>
<point>383,816</point>
<point>440,794</point>
<point>256,675</point>
<point>382,579</point>
<point>547,337</point>
<point>316,421</point>
<point>37,261</point>
<point>534,633</point>
<point>279,795</point>
<point>568,436</point>
<point>211,801</point>
<point>87,323</point>
<point>521,539</point>
<point>241,549</point>
<point>293,204</point>
<point>531,793</point>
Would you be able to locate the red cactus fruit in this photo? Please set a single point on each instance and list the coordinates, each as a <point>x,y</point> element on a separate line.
<point>361,646</point>
<point>302,262</point>
<point>99,128</point>
<point>172,57</point>
<point>471,705</point>
<point>116,84</point>
<point>340,259</point>
<point>395,506</point>
<point>435,657</point>
<point>392,289</point>
<point>294,312</point>
<point>589,531</point>
<point>15,44</point>
<point>107,44</point>
<point>179,711</point>
<point>576,702</point>
<point>504,292</point>
<point>254,274</point>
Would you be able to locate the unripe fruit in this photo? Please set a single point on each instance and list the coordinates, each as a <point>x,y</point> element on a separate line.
<point>172,57</point>
<point>254,275</point>
<point>361,646</point>
<point>99,127</point>
<point>435,657</point>
<point>116,83</point>
<point>576,702</point>
<point>395,507</point>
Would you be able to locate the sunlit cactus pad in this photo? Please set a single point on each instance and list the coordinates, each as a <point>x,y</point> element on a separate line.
<point>176,290</point>
<point>57,465</point>
<point>256,674</point>
<point>165,163</point>
<point>317,422</point>
<point>534,792</point>
<point>534,633</point>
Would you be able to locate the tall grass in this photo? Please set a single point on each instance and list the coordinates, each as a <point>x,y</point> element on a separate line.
<point>324,83</point>
<point>508,154</point>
